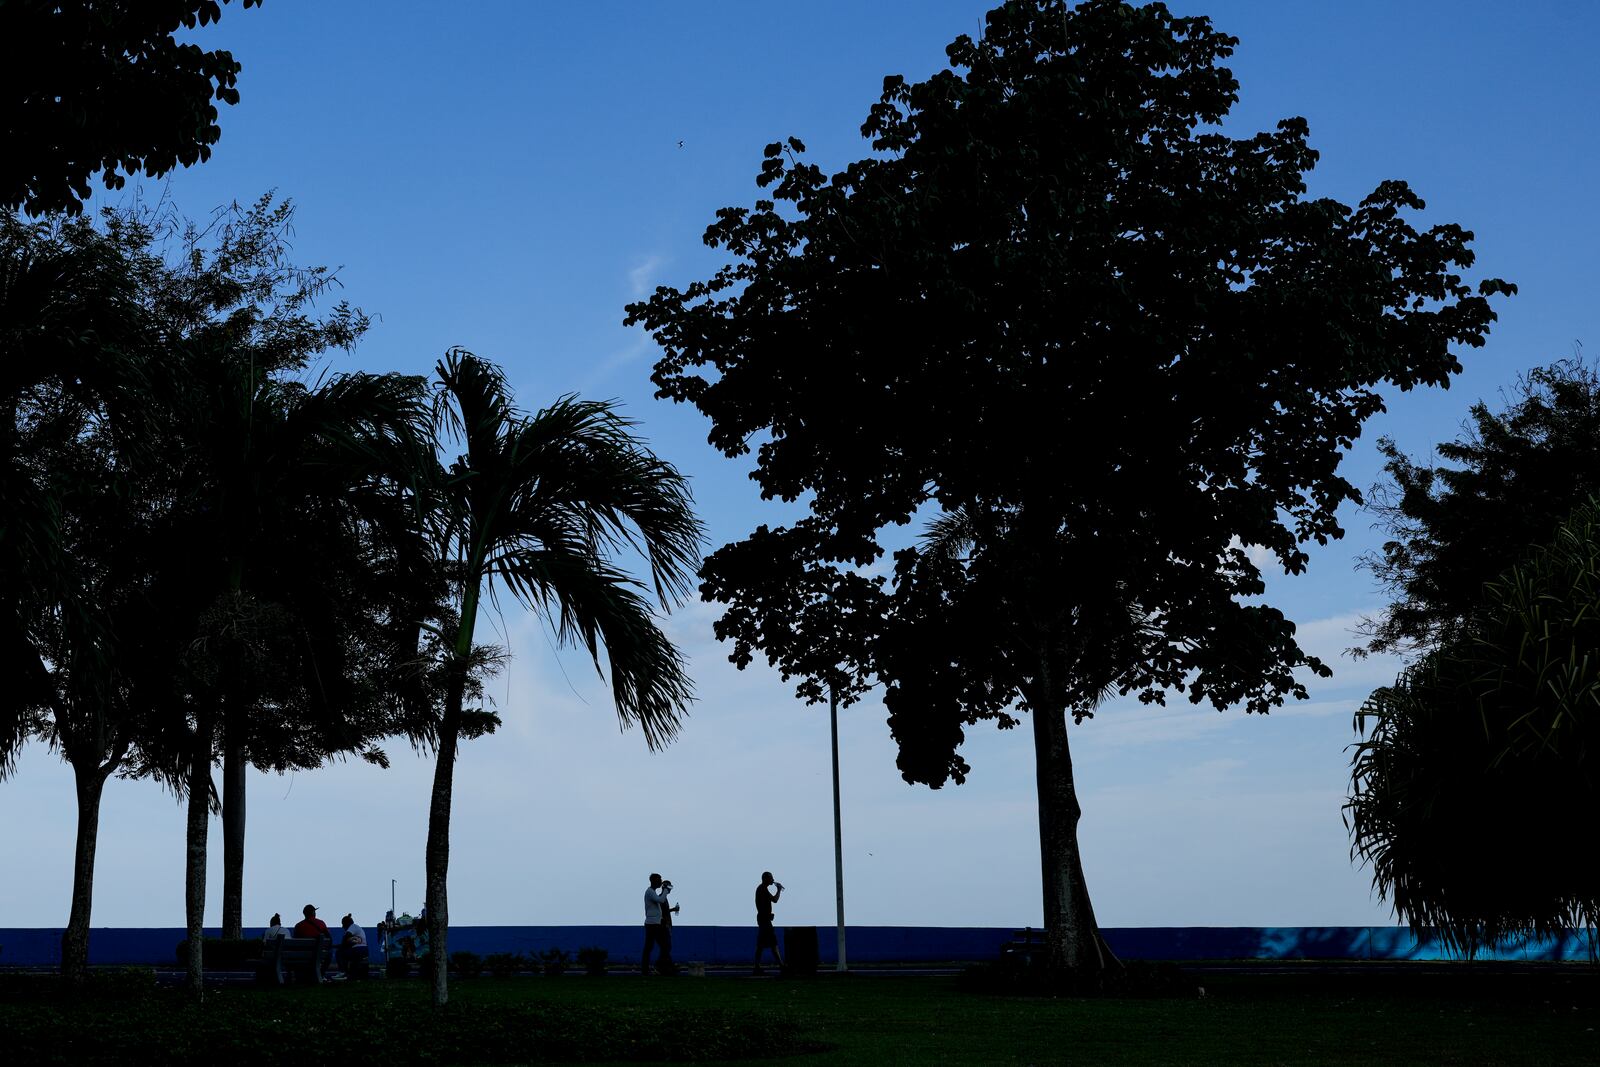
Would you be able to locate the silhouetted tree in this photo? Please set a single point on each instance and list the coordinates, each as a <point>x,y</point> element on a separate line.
<point>542,506</point>
<point>1472,789</point>
<point>92,86</point>
<point>256,655</point>
<point>269,495</point>
<point>1115,345</point>
<point>1505,485</point>
<point>77,370</point>
<point>814,624</point>
<point>193,538</point>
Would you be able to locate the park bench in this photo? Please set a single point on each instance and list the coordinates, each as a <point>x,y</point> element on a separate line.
<point>285,956</point>
<point>1024,948</point>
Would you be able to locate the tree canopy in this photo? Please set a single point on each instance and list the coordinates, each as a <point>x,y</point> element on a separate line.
<point>192,534</point>
<point>1057,305</point>
<point>92,86</point>
<point>1503,486</point>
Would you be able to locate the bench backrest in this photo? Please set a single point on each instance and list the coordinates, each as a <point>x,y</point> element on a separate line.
<point>299,949</point>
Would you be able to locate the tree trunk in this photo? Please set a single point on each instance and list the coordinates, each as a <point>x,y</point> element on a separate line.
<point>1076,952</point>
<point>438,853</point>
<point>75,940</point>
<point>234,769</point>
<point>194,885</point>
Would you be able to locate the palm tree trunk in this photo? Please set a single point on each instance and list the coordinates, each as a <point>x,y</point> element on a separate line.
<point>234,769</point>
<point>437,858</point>
<point>90,781</point>
<point>438,852</point>
<point>194,882</point>
<point>1076,953</point>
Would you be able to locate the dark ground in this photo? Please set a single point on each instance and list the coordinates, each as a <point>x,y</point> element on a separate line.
<point>1338,1013</point>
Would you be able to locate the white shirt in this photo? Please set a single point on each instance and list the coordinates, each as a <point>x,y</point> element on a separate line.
<point>355,937</point>
<point>274,931</point>
<point>653,899</point>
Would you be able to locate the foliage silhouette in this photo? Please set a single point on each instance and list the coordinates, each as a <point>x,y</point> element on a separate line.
<point>102,86</point>
<point>1505,485</point>
<point>194,537</point>
<point>1473,781</point>
<point>542,506</point>
<point>80,367</point>
<point>1056,305</point>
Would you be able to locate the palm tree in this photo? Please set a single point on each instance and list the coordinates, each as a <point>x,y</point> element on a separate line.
<point>288,470</point>
<point>262,473</point>
<point>74,393</point>
<point>542,506</point>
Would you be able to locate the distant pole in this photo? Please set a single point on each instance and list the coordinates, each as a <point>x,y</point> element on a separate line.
<point>838,834</point>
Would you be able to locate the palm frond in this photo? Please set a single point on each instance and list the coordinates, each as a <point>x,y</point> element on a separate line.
<point>549,506</point>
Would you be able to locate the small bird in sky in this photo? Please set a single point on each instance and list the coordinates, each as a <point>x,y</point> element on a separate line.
<point>680,144</point>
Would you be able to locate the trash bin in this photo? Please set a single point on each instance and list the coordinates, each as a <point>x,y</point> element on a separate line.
<point>800,951</point>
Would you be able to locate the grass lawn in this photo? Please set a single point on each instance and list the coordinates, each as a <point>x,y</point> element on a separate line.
<point>1548,1017</point>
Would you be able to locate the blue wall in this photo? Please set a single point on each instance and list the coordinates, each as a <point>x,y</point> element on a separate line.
<point>866,944</point>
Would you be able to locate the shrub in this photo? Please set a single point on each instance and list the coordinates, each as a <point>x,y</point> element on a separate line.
<point>466,964</point>
<point>224,954</point>
<point>122,983</point>
<point>593,959</point>
<point>555,960</point>
<point>504,964</point>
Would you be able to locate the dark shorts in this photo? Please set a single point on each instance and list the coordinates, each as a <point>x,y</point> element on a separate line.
<point>766,936</point>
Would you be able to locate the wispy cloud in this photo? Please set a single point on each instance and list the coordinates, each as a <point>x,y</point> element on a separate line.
<point>642,275</point>
<point>638,346</point>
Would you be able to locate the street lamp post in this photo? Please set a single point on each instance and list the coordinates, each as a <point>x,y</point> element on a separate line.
<point>838,835</point>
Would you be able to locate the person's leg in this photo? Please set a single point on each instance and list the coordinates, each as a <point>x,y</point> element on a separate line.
<point>652,939</point>
<point>664,956</point>
<point>765,938</point>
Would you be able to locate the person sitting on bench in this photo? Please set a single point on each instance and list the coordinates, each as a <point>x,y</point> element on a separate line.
<point>310,926</point>
<point>352,947</point>
<point>275,929</point>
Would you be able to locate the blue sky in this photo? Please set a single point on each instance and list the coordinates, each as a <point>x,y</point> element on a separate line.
<point>506,176</point>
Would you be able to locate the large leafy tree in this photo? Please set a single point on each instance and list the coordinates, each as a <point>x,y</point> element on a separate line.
<point>92,86</point>
<point>1504,485</point>
<point>77,373</point>
<point>287,637</point>
<point>549,507</point>
<point>1112,345</point>
<point>204,555</point>
<point>283,499</point>
<point>1476,770</point>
